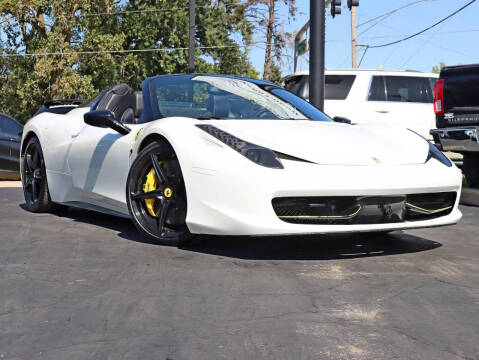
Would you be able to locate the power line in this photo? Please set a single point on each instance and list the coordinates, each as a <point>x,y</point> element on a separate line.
<point>424,30</point>
<point>392,11</point>
<point>432,43</point>
<point>402,34</point>
<point>139,11</point>
<point>373,25</point>
<point>420,47</point>
<point>362,57</point>
<point>126,50</point>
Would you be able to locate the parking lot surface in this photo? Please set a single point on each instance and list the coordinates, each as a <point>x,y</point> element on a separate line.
<point>81,285</point>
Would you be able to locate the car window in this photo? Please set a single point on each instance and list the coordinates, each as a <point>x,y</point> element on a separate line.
<point>409,89</point>
<point>10,126</point>
<point>189,95</point>
<point>432,82</point>
<point>337,87</point>
<point>376,90</point>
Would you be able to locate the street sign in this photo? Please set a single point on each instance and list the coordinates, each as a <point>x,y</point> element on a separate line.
<point>303,47</point>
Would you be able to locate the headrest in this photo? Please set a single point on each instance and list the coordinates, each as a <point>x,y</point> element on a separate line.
<point>117,99</point>
<point>139,103</point>
<point>219,106</point>
<point>120,89</point>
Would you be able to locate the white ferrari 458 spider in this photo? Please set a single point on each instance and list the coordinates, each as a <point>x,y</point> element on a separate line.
<point>224,155</point>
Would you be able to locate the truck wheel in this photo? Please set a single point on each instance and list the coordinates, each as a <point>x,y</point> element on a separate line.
<point>470,168</point>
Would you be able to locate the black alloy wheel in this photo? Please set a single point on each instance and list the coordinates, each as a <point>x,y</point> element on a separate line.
<point>156,195</point>
<point>34,178</point>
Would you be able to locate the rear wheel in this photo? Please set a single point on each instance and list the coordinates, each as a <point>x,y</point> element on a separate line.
<point>34,179</point>
<point>470,168</point>
<point>156,195</point>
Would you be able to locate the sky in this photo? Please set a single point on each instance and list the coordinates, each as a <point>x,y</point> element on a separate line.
<point>453,42</point>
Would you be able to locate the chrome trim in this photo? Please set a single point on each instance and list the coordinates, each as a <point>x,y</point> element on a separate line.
<point>369,88</point>
<point>457,138</point>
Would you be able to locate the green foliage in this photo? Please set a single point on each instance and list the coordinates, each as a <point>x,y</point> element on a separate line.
<point>437,69</point>
<point>275,73</point>
<point>76,70</point>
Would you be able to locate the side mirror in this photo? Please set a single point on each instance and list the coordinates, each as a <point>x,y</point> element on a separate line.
<point>340,119</point>
<point>104,119</point>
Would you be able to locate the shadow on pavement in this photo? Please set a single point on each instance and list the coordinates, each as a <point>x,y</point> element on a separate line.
<point>313,247</point>
<point>310,247</point>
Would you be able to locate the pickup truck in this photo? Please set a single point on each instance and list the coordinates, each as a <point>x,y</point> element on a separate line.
<point>456,104</point>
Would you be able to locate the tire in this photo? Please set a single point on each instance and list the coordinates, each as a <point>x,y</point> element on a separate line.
<point>157,203</point>
<point>470,168</point>
<point>34,179</point>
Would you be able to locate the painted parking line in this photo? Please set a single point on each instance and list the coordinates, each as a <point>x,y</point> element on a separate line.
<point>10,184</point>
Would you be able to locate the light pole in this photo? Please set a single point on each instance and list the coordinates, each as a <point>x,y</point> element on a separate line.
<point>316,53</point>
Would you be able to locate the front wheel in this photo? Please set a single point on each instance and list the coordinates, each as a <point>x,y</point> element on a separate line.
<point>156,195</point>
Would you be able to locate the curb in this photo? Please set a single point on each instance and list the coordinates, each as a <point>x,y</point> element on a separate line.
<point>470,197</point>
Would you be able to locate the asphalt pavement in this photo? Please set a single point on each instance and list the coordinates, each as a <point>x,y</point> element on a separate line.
<point>81,285</point>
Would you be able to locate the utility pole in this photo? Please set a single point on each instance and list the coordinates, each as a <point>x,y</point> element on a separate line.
<point>354,38</point>
<point>191,40</point>
<point>316,53</point>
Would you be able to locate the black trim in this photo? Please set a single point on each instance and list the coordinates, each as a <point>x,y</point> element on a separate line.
<point>256,153</point>
<point>354,210</point>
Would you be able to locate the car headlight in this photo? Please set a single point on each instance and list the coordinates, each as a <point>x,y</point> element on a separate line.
<point>435,153</point>
<point>256,153</point>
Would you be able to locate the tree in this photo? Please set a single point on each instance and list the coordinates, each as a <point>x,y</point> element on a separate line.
<point>216,51</point>
<point>75,48</point>
<point>265,17</point>
<point>437,69</point>
<point>38,28</point>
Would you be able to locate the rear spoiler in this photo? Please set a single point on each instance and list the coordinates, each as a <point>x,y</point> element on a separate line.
<point>59,106</point>
<point>51,103</point>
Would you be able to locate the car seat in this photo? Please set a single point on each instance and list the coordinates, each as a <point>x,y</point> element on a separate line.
<point>120,101</point>
<point>138,105</point>
<point>219,106</point>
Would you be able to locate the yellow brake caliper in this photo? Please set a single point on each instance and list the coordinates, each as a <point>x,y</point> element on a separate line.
<point>150,185</point>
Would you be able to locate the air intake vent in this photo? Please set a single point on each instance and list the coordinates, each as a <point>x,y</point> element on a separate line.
<point>343,210</point>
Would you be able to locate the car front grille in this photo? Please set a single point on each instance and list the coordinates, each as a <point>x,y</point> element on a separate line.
<point>343,210</point>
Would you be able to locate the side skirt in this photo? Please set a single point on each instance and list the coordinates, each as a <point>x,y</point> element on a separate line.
<point>86,206</point>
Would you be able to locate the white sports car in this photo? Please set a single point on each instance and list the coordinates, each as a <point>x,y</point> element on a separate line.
<point>224,155</point>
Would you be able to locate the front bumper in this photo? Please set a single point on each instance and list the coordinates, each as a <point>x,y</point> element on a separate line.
<point>239,201</point>
<point>460,139</point>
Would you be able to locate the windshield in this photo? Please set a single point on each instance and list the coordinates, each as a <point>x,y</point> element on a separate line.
<point>217,97</point>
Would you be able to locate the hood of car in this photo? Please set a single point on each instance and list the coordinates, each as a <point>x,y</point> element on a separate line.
<point>330,143</point>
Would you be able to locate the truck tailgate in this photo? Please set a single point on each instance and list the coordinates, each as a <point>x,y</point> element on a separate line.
<point>461,96</point>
